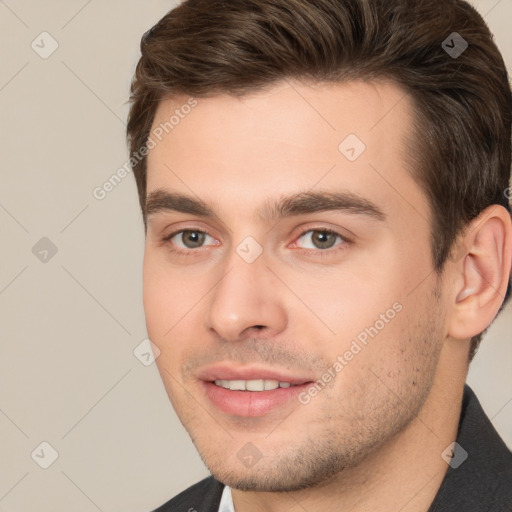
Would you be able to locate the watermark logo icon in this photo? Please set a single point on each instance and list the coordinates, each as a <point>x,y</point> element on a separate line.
<point>454,455</point>
<point>146,352</point>
<point>44,45</point>
<point>249,249</point>
<point>44,455</point>
<point>454,45</point>
<point>249,455</point>
<point>352,147</point>
<point>44,250</point>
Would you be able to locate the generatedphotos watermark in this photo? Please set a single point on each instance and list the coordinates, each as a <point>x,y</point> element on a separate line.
<point>154,138</point>
<point>357,345</point>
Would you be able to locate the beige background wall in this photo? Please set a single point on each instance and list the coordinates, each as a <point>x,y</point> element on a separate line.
<point>69,325</point>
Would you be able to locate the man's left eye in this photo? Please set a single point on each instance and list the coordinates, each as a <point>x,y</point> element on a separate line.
<point>321,239</point>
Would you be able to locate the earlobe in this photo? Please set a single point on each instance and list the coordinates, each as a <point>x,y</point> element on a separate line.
<point>483,273</point>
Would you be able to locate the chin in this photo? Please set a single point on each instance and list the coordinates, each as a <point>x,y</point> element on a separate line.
<point>288,474</point>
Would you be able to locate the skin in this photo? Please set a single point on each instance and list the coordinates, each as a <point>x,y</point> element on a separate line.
<point>372,438</point>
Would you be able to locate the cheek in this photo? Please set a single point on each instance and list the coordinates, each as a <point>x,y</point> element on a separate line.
<point>370,316</point>
<point>172,306</point>
<point>156,300</point>
<point>167,295</point>
<point>353,301</point>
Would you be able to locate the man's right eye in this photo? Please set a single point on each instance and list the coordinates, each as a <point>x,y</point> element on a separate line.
<point>187,239</point>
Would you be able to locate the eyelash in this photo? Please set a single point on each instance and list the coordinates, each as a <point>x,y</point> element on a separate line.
<point>314,252</point>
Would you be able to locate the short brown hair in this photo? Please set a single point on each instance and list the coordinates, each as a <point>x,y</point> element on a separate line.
<point>462,102</point>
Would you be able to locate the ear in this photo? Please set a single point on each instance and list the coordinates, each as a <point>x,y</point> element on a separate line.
<point>482,272</point>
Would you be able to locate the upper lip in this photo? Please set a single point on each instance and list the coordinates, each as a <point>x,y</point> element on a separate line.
<point>228,372</point>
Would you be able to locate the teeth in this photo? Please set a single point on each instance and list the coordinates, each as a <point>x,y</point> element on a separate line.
<point>256,385</point>
<point>252,385</point>
<point>237,385</point>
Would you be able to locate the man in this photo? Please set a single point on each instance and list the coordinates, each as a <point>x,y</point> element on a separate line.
<point>324,186</point>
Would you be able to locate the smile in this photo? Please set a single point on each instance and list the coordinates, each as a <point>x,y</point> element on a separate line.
<point>252,385</point>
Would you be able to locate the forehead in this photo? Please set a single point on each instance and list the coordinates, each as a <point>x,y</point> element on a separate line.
<point>291,137</point>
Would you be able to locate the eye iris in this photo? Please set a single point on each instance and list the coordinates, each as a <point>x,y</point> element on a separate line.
<point>195,238</point>
<point>323,239</point>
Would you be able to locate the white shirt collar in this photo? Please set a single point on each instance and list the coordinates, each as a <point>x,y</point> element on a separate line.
<point>226,501</point>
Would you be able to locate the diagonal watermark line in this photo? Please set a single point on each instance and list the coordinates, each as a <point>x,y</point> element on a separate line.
<point>280,423</point>
<point>387,112</point>
<point>76,14</point>
<point>488,283</point>
<point>400,398</point>
<point>299,504</point>
<point>13,13</point>
<point>421,282</point>
<point>74,218</point>
<point>501,409</point>
<point>320,179</point>
<point>13,279</point>
<point>13,76</point>
<point>96,403</point>
<point>396,190</point>
<point>85,494</point>
<point>195,304</point>
<point>491,9</point>
<point>310,104</point>
<point>5,495</point>
<point>416,494</point>
<point>301,300</point>
<point>15,424</point>
<point>197,401</point>
<point>96,300</point>
<point>87,87</point>
<point>13,217</point>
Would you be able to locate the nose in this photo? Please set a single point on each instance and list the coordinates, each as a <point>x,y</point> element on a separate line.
<point>247,301</point>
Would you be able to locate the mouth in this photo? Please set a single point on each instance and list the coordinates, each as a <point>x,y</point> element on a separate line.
<point>256,385</point>
<point>251,392</point>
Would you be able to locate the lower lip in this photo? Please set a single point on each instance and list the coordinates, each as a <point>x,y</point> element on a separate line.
<point>251,403</point>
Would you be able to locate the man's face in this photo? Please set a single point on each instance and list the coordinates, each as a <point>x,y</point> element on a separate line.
<point>254,296</point>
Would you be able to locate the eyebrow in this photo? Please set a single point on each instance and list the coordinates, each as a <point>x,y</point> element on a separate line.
<point>302,203</point>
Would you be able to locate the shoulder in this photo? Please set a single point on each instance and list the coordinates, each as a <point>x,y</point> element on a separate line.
<point>482,477</point>
<point>201,497</point>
